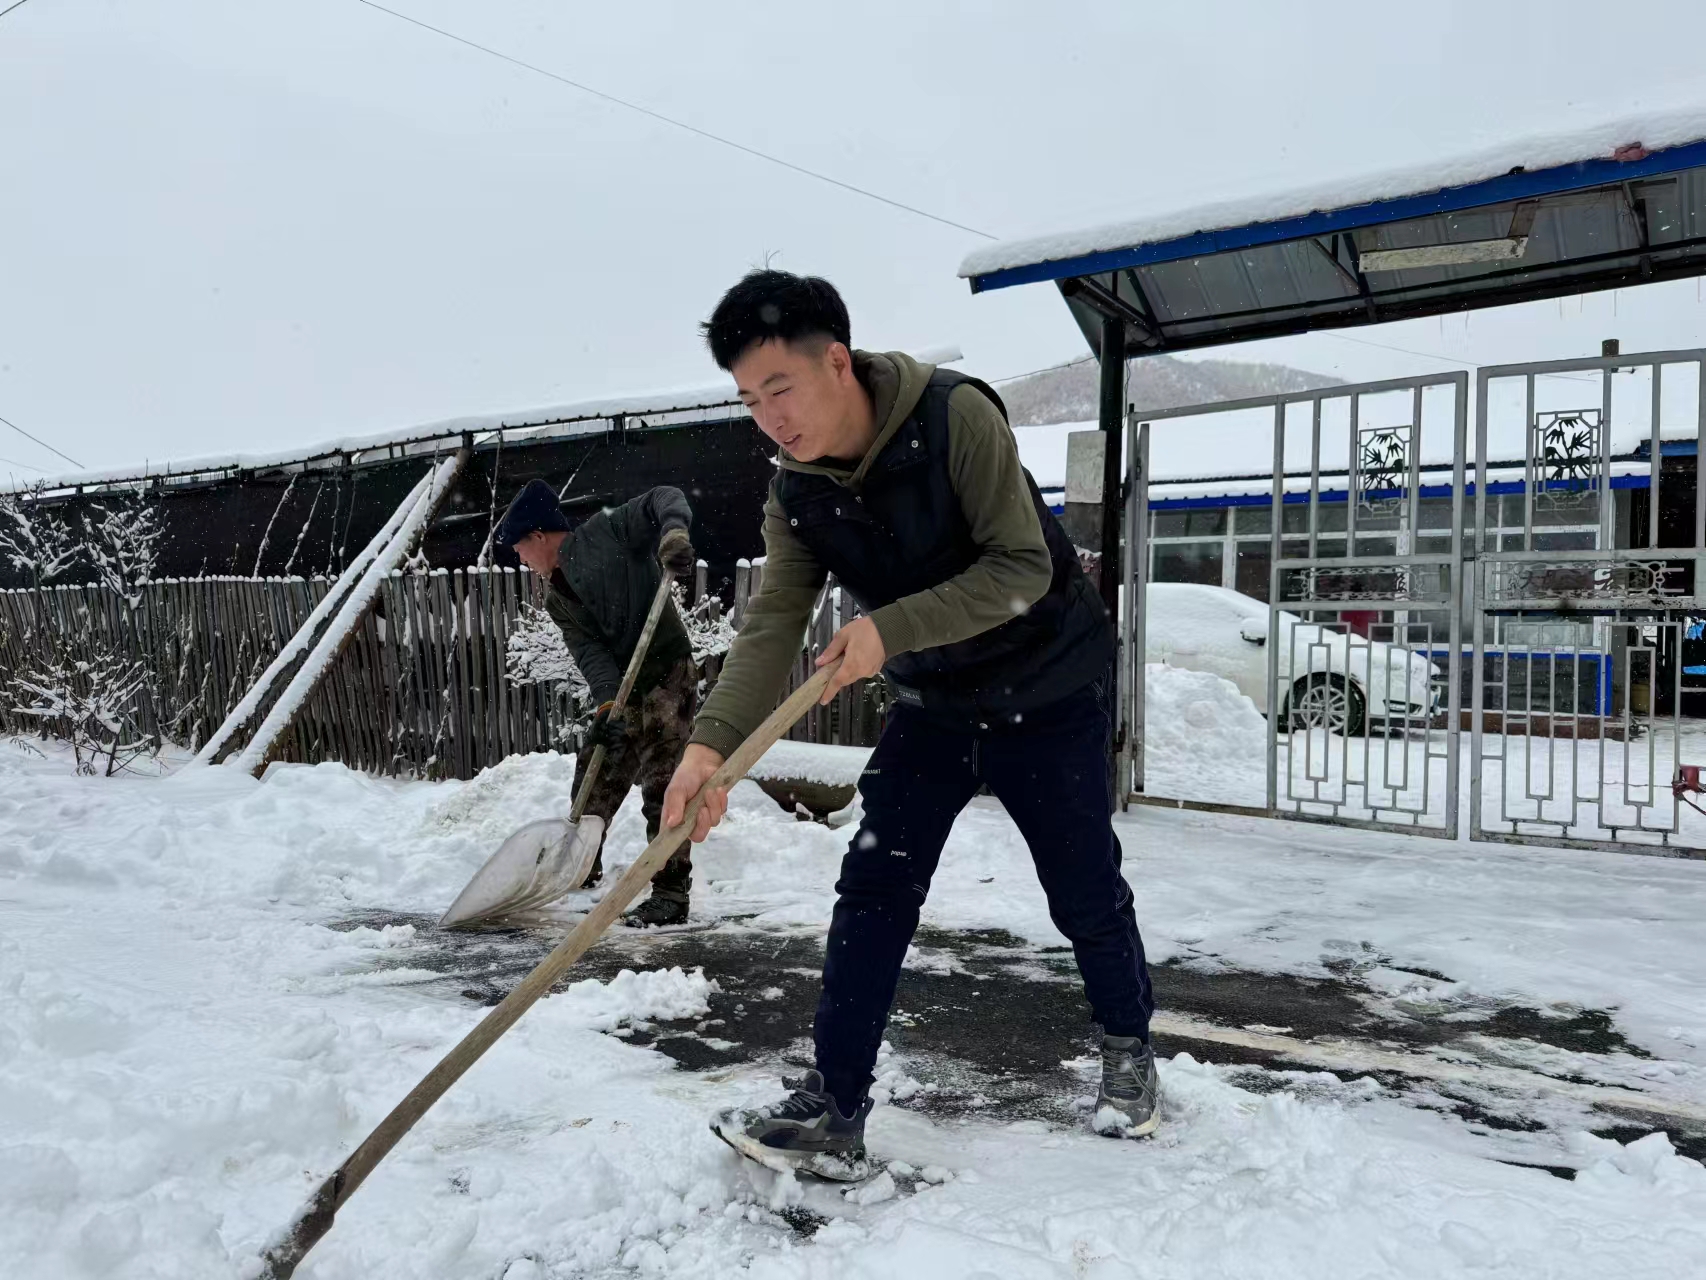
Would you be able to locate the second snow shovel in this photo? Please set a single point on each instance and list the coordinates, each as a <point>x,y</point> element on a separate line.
<point>546,859</point>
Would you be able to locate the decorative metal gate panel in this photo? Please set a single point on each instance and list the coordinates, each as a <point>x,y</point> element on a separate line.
<point>1589,529</point>
<point>1363,627</point>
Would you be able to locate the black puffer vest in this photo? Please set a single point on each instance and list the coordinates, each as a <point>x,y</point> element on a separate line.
<point>904,533</point>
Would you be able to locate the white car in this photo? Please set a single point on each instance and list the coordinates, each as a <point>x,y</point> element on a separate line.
<point>1329,680</point>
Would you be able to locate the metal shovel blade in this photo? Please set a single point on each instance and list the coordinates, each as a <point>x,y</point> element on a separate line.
<point>535,866</point>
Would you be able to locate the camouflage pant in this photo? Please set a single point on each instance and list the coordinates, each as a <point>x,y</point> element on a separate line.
<point>659,724</point>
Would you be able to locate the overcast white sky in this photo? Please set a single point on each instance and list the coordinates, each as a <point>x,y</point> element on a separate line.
<point>236,225</point>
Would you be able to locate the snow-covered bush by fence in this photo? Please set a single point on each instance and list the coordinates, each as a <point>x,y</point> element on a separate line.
<point>119,541</point>
<point>113,543</point>
<point>708,629</point>
<point>36,541</point>
<point>86,684</point>
<point>535,653</point>
<point>89,702</point>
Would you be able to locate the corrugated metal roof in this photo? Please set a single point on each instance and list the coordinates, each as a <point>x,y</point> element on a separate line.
<point>1629,218</point>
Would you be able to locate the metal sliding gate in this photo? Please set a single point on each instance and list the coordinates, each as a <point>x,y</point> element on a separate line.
<point>1539,585</point>
<point>1362,635</point>
<point>1588,611</point>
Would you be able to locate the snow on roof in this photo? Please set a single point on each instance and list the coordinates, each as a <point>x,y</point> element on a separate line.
<point>549,421</point>
<point>1653,131</point>
<point>446,429</point>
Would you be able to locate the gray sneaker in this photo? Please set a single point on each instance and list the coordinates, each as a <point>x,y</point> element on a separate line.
<point>804,1131</point>
<point>1128,1105</point>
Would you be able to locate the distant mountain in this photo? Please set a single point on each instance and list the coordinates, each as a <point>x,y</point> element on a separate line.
<point>1153,382</point>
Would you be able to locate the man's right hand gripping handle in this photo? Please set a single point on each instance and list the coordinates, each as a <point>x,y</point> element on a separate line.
<point>698,763</point>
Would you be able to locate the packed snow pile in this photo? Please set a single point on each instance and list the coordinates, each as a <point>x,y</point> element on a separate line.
<point>634,997</point>
<point>1202,739</point>
<point>812,762</point>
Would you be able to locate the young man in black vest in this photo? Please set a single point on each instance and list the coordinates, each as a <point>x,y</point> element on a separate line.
<point>905,482</point>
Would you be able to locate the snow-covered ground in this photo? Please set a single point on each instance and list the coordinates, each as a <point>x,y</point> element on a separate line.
<point>186,1047</point>
<point>1205,741</point>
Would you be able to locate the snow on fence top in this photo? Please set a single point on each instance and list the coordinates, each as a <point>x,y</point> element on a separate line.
<point>1652,131</point>
<point>591,415</point>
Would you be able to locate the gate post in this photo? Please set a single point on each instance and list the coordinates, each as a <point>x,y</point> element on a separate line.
<point>1111,417</point>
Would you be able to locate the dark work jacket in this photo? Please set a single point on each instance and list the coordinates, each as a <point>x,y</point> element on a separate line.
<point>904,532</point>
<point>607,574</point>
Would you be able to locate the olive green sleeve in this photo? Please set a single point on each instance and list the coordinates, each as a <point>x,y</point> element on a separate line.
<point>1012,571</point>
<point>772,632</point>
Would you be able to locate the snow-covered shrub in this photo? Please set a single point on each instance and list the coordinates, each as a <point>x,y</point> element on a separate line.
<point>80,680</point>
<point>709,632</point>
<point>119,542</point>
<point>89,701</point>
<point>35,540</point>
<point>535,653</point>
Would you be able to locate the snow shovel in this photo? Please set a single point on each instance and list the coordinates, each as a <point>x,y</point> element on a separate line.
<point>546,859</point>
<point>280,1258</point>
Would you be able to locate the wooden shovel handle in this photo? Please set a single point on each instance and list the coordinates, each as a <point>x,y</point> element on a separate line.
<point>595,763</point>
<point>315,1219</point>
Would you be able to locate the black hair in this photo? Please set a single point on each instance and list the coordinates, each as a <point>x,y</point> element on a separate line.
<point>775,304</point>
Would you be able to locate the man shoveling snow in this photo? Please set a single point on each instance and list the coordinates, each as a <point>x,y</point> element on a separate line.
<point>602,574</point>
<point>904,481</point>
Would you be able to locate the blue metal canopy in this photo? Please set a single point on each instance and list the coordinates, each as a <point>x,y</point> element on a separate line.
<point>1624,218</point>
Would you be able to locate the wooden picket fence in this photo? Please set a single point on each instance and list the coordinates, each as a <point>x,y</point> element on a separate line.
<point>421,689</point>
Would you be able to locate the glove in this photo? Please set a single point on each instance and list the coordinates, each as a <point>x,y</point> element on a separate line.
<point>675,553</point>
<point>608,732</point>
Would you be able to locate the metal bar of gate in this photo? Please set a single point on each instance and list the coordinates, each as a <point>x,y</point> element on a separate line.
<point>1607,512</point>
<point>1475,570</point>
<point>1455,615</point>
<point>1275,523</point>
<point>1699,486</point>
<point>1135,610</point>
<point>1655,467</point>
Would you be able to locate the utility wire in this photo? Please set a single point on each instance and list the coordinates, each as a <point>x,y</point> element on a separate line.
<point>670,120</point>
<point>43,443</point>
<point>1386,346</point>
<point>1430,355</point>
<point>8,9</point>
<point>1047,368</point>
<point>13,462</point>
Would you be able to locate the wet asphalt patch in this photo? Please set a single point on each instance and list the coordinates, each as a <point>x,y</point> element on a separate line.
<point>988,1024</point>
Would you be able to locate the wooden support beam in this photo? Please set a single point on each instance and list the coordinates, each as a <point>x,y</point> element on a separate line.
<point>343,625</point>
<point>231,734</point>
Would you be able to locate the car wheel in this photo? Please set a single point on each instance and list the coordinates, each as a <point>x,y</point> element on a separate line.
<point>1326,700</point>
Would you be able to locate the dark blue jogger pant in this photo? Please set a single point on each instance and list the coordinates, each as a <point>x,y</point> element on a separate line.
<point>1050,771</point>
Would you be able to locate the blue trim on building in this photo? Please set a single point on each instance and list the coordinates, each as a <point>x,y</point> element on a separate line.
<point>1602,662</point>
<point>1494,488</point>
<point>1339,495</point>
<point>1502,189</point>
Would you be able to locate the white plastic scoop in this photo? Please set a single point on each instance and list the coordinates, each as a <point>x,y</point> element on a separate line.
<point>546,859</point>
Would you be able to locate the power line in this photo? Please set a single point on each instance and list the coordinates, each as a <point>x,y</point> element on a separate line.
<point>1047,368</point>
<point>1429,355</point>
<point>13,462</point>
<point>670,120</point>
<point>10,7</point>
<point>43,443</point>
